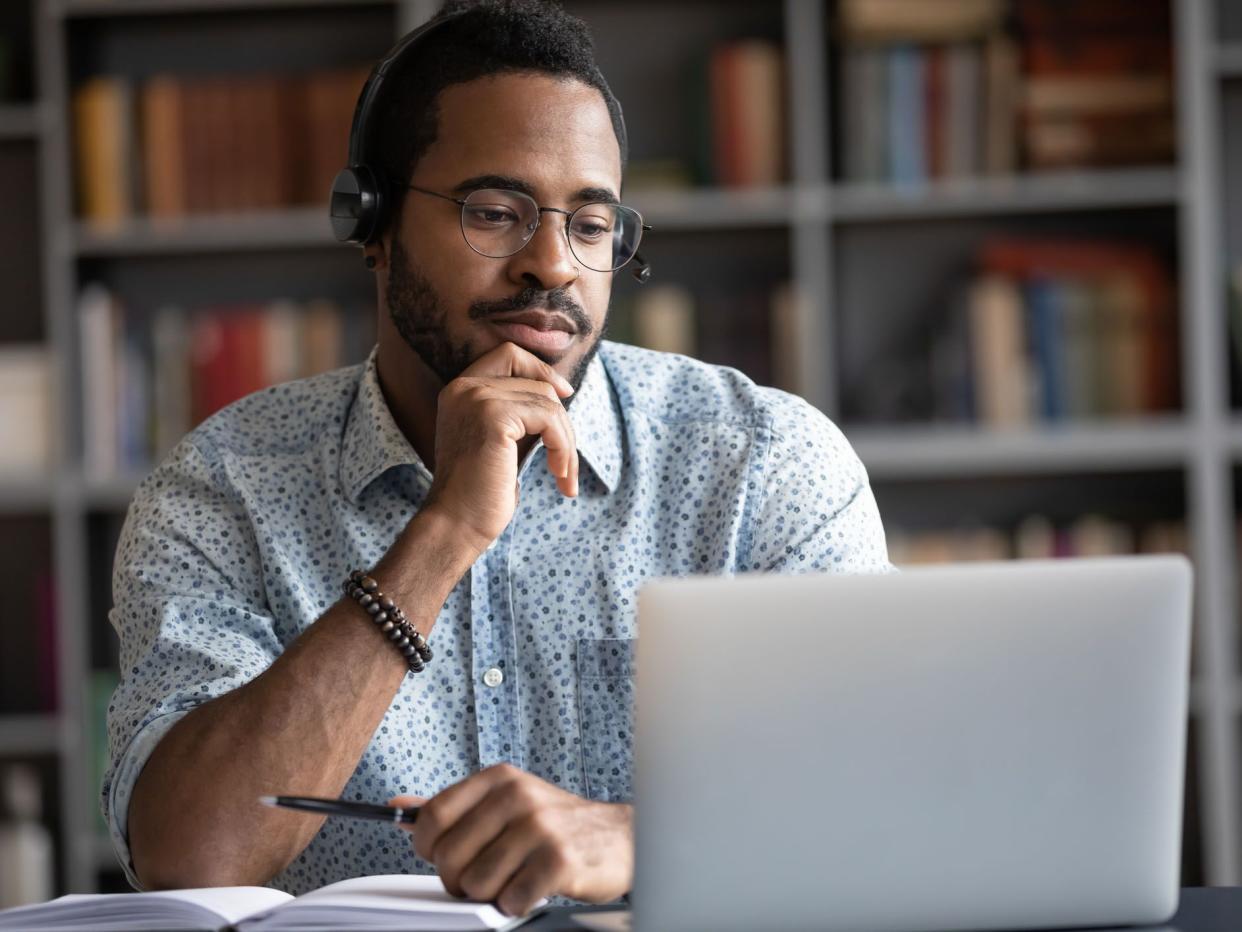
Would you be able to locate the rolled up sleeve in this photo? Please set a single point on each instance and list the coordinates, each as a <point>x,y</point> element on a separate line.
<point>190,612</point>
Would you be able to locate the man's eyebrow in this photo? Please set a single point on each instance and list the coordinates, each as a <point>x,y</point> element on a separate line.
<point>507,183</point>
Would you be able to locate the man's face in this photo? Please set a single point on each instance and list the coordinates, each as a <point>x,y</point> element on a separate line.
<point>550,137</point>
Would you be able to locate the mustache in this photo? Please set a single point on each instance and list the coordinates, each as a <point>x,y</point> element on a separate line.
<point>528,298</point>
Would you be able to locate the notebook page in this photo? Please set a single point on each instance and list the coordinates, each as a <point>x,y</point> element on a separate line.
<point>404,897</point>
<point>162,909</point>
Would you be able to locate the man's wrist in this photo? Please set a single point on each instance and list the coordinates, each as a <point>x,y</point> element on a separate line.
<point>461,543</point>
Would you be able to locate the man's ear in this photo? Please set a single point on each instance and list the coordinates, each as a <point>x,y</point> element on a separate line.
<point>376,254</point>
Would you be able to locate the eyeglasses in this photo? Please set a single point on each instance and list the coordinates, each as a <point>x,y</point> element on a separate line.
<point>498,222</point>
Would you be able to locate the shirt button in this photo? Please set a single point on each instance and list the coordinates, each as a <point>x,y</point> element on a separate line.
<point>493,677</point>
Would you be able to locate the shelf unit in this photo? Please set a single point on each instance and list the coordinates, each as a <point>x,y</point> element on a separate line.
<point>808,219</point>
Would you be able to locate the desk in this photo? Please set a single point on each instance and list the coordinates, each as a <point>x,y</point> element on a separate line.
<point>1203,909</point>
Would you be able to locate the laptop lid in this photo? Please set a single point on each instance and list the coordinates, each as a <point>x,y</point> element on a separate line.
<point>993,746</point>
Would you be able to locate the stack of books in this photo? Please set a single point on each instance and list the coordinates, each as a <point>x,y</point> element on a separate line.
<point>757,332</point>
<point>175,145</point>
<point>146,383</point>
<point>1059,330</point>
<point>927,90</point>
<point>1097,85</point>
<point>942,90</point>
<point>1036,537</point>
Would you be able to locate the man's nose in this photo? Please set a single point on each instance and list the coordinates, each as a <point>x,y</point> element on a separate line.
<point>546,258</point>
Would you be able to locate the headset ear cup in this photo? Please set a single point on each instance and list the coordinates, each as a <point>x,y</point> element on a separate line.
<point>355,204</point>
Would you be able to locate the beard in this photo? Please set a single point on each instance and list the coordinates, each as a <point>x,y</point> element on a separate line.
<point>420,316</point>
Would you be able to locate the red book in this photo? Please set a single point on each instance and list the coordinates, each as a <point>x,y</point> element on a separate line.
<point>726,131</point>
<point>935,112</point>
<point>229,359</point>
<point>45,614</point>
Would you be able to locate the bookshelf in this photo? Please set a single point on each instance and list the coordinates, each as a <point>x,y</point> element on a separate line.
<point>859,253</point>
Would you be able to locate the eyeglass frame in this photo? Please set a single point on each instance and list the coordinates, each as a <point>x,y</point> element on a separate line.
<point>540,211</point>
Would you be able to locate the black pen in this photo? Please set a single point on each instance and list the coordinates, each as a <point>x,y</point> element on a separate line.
<point>343,807</point>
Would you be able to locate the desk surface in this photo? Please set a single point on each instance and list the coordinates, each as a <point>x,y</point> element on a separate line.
<point>1203,909</point>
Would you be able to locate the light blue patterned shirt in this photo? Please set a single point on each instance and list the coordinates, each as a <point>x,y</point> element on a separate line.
<point>240,539</point>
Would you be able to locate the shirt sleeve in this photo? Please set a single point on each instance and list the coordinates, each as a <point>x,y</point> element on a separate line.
<point>816,511</point>
<point>190,611</point>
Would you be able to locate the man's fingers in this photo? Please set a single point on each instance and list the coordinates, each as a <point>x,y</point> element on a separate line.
<point>509,361</point>
<point>539,876</point>
<point>441,812</point>
<point>406,802</point>
<point>457,849</point>
<point>493,867</point>
<point>537,415</point>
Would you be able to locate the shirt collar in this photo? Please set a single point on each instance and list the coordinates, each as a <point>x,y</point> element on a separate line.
<point>597,424</point>
<point>373,443</point>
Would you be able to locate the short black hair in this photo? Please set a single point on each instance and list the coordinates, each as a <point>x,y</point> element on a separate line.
<point>485,37</point>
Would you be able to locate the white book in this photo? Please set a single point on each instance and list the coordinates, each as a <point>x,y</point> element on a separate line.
<point>27,409</point>
<point>1002,374</point>
<point>664,319</point>
<point>387,902</point>
<point>99,321</point>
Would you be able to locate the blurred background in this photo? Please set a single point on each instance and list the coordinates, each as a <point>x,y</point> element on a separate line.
<point>999,241</point>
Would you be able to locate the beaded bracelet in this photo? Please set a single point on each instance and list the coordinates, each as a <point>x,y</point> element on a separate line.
<point>389,619</point>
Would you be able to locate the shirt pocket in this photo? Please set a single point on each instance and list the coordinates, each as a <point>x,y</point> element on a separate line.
<point>606,716</point>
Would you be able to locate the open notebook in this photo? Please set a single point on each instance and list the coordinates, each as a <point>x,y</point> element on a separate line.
<point>393,901</point>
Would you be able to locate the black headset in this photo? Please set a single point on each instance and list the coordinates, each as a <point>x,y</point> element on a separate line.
<point>359,199</point>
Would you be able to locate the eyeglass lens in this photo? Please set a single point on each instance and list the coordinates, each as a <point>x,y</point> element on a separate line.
<point>497,223</point>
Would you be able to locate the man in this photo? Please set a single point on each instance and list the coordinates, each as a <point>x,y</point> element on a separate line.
<point>563,477</point>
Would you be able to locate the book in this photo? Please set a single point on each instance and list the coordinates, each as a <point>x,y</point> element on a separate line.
<point>1001,367</point>
<point>27,409</point>
<point>99,318</point>
<point>907,75</point>
<point>747,113</point>
<point>865,107</point>
<point>664,319</point>
<point>917,20</point>
<point>786,337</point>
<point>103,150</point>
<point>392,901</point>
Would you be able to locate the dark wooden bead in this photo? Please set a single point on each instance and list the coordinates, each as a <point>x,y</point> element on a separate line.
<point>425,653</point>
<point>365,600</point>
<point>387,626</point>
<point>386,603</point>
<point>368,584</point>
<point>416,667</point>
<point>394,634</point>
<point>381,617</point>
<point>355,575</point>
<point>373,608</point>
<point>403,643</point>
<point>409,650</point>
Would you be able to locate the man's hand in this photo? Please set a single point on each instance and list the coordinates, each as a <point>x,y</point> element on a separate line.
<point>483,418</point>
<point>505,836</point>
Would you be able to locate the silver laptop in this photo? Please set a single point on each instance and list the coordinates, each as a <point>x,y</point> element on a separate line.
<point>997,746</point>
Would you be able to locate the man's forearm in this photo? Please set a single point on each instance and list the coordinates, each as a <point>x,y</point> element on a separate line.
<point>299,728</point>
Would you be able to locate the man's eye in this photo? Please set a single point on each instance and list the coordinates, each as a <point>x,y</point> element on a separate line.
<point>491,216</point>
<point>589,230</point>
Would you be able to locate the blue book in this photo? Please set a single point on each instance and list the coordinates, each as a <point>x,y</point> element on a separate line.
<point>907,68</point>
<point>1047,341</point>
